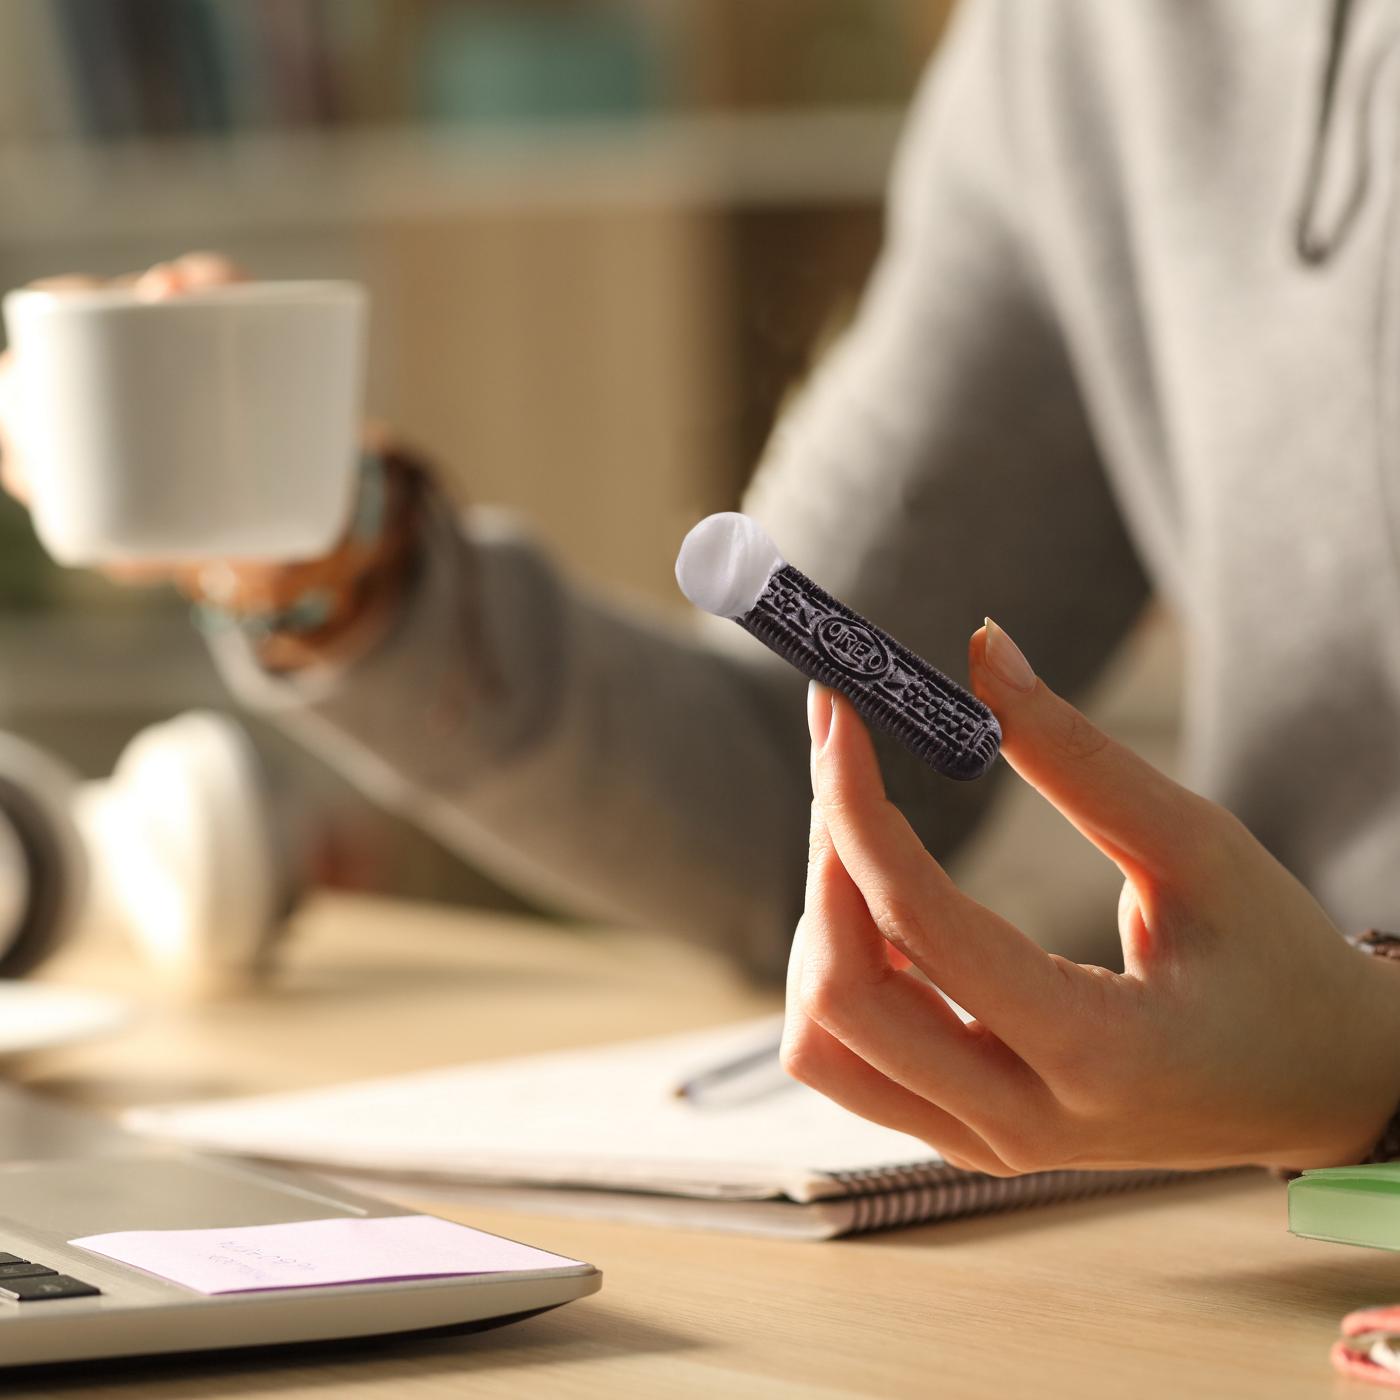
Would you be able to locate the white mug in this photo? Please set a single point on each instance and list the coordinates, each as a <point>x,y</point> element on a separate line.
<point>219,424</point>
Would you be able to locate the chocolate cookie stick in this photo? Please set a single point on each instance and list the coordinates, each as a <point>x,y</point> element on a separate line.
<point>730,567</point>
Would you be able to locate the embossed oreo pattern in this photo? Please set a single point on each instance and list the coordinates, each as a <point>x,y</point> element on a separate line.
<point>852,646</point>
<point>949,728</point>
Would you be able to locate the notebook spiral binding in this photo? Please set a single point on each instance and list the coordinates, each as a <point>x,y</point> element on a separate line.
<point>891,687</point>
<point>886,1198</point>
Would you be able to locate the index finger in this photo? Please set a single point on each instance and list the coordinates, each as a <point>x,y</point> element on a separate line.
<point>1136,815</point>
<point>985,964</point>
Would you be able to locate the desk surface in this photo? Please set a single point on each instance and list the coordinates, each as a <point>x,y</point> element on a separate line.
<point>1189,1290</point>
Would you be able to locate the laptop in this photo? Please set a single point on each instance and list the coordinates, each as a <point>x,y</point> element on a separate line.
<point>66,1175</point>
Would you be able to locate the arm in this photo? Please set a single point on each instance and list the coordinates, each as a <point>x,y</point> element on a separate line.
<point>939,467</point>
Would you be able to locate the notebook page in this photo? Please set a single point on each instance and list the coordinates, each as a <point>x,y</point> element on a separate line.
<point>596,1118</point>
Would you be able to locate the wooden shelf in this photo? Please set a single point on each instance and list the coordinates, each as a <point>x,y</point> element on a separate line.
<point>291,180</point>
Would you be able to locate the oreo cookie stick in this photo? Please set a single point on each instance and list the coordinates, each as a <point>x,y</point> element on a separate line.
<point>730,567</point>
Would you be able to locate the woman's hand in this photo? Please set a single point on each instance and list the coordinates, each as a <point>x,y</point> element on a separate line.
<point>1243,1030</point>
<point>363,578</point>
<point>187,274</point>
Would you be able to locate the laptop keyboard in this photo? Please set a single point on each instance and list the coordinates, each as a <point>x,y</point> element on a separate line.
<point>23,1281</point>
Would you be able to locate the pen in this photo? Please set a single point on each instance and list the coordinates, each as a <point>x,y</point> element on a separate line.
<point>752,1075</point>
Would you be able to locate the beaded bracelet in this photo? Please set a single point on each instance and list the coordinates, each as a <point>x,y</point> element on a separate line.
<point>314,608</point>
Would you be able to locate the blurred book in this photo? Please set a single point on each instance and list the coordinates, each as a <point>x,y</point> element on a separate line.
<point>236,44</point>
<point>201,70</point>
<point>174,72</point>
<point>122,68</point>
<point>369,49</point>
<point>521,63</point>
<point>101,60</point>
<point>1348,1205</point>
<point>294,53</point>
<point>36,97</point>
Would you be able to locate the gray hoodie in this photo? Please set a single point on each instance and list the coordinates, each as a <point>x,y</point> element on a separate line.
<point>1137,324</point>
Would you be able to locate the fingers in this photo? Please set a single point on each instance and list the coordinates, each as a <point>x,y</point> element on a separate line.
<point>12,477</point>
<point>819,1060</point>
<point>1135,814</point>
<point>896,1023</point>
<point>814,1056</point>
<point>981,961</point>
<point>190,273</point>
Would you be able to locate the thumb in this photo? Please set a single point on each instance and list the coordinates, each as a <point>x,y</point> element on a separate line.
<point>1145,823</point>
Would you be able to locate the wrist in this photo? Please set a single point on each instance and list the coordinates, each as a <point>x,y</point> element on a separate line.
<point>331,609</point>
<point>337,625</point>
<point>1380,956</point>
<point>1366,1085</point>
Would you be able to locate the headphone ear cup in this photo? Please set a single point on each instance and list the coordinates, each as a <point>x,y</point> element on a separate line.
<point>185,835</point>
<point>42,859</point>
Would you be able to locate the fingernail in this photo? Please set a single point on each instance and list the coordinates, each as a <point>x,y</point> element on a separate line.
<point>1006,660</point>
<point>819,703</point>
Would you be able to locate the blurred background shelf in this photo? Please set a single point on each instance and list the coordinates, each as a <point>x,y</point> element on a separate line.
<point>604,240</point>
<point>58,192</point>
<point>660,283</point>
<point>639,215</point>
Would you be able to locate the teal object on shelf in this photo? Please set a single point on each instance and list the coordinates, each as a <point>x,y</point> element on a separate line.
<point>1348,1205</point>
<point>500,65</point>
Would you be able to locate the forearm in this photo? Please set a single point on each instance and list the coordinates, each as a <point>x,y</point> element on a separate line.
<point>584,757</point>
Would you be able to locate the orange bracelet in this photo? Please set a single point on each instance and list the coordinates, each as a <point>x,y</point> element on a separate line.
<point>358,582</point>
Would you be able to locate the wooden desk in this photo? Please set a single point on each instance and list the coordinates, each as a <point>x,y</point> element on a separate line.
<point>1193,1290</point>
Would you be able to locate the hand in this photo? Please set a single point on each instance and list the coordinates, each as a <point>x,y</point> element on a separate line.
<point>351,572</point>
<point>1243,1030</point>
<point>186,274</point>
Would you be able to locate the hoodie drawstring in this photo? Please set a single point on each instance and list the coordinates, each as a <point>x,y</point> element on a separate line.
<point>1316,245</point>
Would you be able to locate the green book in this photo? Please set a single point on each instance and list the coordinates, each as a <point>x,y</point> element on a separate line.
<point>1348,1205</point>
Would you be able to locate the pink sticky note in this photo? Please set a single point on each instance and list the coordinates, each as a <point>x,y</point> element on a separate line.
<point>313,1253</point>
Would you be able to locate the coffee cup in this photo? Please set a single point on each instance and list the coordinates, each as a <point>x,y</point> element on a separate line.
<point>219,424</point>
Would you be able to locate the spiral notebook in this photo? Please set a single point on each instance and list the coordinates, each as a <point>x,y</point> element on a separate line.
<point>602,1132</point>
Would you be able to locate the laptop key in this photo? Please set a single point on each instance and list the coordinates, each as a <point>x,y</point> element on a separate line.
<point>11,1258</point>
<point>22,1268</point>
<point>35,1290</point>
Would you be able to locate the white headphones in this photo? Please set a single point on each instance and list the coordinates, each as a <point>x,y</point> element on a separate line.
<point>185,845</point>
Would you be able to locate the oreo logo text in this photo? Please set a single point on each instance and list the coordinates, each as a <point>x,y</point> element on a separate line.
<point>852,646</point>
